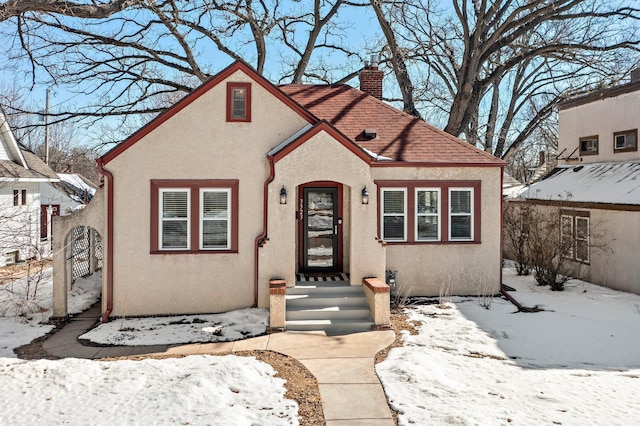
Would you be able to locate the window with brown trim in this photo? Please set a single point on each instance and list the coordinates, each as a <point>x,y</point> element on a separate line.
<point>589,145</point>
<point>239,102</point>
<point>574,235</point>
<point>625,141</point>
<point>410,212</point>
<point>194,216</point>
<point>19,197</point>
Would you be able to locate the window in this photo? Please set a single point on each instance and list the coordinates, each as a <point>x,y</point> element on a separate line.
<point>214,218</point>
<point>574,235</point>
<point>625,141</point>
<point>427,214</point>
<point>238,102</point>
<point>461,214</point>
<point>394,206</point>
<point>589,145</point>
<point>19,197</point>
<point>194,216</point>
<point>174,224</point>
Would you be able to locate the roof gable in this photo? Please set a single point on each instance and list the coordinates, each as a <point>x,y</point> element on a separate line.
<point>198,92</point>
<point>9,143</point>
<point>399,137</point>
<point>309,132</point>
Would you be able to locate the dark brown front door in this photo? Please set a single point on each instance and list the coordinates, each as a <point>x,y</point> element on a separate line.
<point>320,233</point>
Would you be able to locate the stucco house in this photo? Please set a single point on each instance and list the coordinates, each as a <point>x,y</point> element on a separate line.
<point>595,189</point>
<point>22,175</point>
<point>243,183</point>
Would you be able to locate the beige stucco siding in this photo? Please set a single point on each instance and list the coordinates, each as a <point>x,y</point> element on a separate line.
<point>603,118</point>
<point>322,158</point>
<point>616,264</point>
<point>427,268</point>
<point>196,143</point>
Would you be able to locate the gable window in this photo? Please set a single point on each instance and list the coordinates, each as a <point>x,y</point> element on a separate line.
<point>238,102</point>
<point>625,141</point>
<point>589,145</point>
<point>394,207</point>
<point>194,216</point>
<point>427,214</point>
<point>574,234</point>
<point>19,197</point>
<point>461,214</point>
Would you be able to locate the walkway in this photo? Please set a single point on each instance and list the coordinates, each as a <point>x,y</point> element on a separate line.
<point>343,365</point>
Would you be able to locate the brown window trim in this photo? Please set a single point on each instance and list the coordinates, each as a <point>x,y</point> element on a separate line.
<point>574,214</point>
<point>194,186</point>
<point>626,149</point>
<point>444,186</point>
<point>584,138</point>
<point>247,106</point>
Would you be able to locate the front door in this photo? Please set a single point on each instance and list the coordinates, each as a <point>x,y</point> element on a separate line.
<point>320,229</point>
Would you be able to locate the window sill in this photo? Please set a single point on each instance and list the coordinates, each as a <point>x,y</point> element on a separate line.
<point>632,149</point>
<point>193,252</point>
<point>430,243</point>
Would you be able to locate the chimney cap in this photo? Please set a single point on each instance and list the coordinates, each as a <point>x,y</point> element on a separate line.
<point>374,60</point>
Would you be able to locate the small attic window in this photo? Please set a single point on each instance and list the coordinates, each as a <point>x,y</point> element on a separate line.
<point>238,102</point>
<point>370,133</point>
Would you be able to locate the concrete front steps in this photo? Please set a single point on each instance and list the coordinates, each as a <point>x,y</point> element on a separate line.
<point>337,308</point>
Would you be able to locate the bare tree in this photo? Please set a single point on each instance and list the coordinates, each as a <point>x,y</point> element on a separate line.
<point>497,68</point>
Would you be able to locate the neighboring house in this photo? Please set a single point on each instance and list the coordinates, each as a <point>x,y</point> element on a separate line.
<point>22,175</point>
<point>62,198</point>
<point>243,181</point>
<point>595,188</point>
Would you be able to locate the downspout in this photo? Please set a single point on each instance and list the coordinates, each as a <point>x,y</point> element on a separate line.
<point>109,237</point>
<point>262,238</point>
<point>501,221</point>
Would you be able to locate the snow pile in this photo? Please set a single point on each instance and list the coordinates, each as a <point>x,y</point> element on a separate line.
<point>575,363</point>
<point>17,330</point>
<point>234,325</point>
<point>196,390</point>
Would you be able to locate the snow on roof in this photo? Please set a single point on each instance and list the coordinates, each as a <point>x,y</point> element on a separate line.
<point>77,181</point>
<point>513,191</point>
<point>612,183</point>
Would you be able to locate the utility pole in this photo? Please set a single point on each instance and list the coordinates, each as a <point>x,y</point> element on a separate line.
<point>46,130</point>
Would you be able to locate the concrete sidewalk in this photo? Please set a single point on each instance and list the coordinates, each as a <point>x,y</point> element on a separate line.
<point>343,365</point>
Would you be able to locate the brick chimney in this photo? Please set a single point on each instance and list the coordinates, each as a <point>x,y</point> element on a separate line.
<point>371,78</point>
<point>635,75</point>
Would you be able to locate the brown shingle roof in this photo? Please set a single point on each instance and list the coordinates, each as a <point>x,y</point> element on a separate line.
<point>37,168</point>
<point>400,137</point>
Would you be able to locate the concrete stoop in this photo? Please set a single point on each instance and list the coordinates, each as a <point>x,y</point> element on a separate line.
<point>335,308</point>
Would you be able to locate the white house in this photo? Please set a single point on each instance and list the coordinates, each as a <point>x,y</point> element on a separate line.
<point>22,174</point>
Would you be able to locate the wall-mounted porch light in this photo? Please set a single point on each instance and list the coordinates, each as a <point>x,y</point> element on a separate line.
<point>283,196</point>
<point>365,195</point>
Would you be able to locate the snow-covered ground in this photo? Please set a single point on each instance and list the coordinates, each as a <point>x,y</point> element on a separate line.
<point>576,363</point>
<point>228,326</point>
<point>21,317</point>
<point>196,390</point>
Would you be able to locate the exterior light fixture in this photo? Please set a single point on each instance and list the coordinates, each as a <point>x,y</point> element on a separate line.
<point>365,195</point>
<point>283,196</point>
